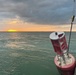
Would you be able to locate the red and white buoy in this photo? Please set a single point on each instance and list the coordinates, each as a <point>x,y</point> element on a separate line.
<point>64,61</point>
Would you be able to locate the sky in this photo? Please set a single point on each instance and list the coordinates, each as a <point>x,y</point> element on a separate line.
<point>36,15</point>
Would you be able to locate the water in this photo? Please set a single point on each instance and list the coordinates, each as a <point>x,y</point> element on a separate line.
<point>29,53</point>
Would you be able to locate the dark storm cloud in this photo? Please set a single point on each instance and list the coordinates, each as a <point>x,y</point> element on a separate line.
<point>39,11</point>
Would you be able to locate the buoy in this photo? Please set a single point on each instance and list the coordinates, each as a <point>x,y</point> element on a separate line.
<point>68,68</point>
<point>64,61</point>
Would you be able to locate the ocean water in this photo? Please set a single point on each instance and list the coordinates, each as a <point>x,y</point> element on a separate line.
<point>29,53</point>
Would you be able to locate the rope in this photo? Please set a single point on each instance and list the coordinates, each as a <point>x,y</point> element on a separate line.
<point>71,26</point>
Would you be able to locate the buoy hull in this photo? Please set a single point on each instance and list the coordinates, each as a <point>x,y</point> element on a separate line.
<point>66,69</point>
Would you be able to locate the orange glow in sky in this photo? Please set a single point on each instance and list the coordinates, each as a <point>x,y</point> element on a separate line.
<point>13,25</point>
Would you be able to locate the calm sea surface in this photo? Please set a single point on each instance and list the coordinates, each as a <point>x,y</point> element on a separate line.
<point>29,53</point>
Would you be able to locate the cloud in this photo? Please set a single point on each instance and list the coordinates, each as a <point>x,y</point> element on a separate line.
<point>38,11</point>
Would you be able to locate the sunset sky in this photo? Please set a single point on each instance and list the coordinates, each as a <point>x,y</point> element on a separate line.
<point>36,15</point>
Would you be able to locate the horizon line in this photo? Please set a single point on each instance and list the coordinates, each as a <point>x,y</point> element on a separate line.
<point>35,31</point>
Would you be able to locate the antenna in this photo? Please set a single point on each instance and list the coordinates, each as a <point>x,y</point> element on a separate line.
<point>73,17</point>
